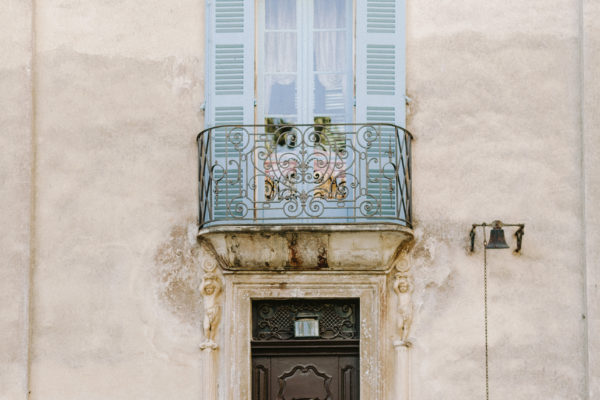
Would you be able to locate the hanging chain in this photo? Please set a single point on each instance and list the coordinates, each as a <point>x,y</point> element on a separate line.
<point>485,315</point>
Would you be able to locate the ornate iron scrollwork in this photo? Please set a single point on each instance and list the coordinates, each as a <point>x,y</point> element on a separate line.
<point>334,173</point>
<point>274,319</point>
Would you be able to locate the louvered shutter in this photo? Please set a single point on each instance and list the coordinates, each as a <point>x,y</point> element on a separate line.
<point>229,100</point>
<point>380,94</point>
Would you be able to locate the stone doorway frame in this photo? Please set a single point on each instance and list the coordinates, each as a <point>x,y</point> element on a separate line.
<point>234,361</point>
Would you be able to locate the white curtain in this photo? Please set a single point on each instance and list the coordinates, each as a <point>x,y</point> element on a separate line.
<point>330,14</point>
<point>280,14</point>
<point>280,54</point>
<point>329,43</point>
<point>280,47</point>
<point>330,57</point>
<point>330,46</point>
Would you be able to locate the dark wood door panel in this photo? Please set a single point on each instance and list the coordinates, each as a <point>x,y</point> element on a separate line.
<point>349,378</point>
<point>305,378</point>
<point>295,378</point>
<point>261,369</point>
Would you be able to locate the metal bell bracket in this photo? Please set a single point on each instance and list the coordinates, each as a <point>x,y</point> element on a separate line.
<point>497,235</point>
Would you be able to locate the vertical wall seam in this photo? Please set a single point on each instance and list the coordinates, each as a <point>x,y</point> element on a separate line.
<point>581,117</point>
<point>32,202</point>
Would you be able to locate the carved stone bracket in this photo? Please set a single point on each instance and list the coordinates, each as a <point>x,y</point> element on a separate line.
<point>403,286</point>
<point>402,260</point>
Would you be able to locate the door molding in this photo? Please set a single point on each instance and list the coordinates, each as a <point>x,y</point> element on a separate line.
<point>235,363</point>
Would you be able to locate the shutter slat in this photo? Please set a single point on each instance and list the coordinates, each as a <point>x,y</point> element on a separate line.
<point>381,16</point>
<point>229,16</point>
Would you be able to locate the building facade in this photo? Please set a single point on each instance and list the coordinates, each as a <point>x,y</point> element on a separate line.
<point>280,252</point>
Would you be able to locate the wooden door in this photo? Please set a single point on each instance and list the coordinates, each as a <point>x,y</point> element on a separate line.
<point>290,367</point>
<point>305,378</point>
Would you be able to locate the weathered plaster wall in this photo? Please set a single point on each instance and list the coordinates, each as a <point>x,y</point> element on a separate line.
<point>118,96</point>
<point>115,308</point>
<point>591,140</point>
<point>496,114</point>
<point>15,179</point>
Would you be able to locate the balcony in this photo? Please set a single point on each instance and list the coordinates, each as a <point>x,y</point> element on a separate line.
<point>333,196</point>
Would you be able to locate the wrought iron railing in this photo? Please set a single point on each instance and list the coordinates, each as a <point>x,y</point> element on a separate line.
<point>304,174</point>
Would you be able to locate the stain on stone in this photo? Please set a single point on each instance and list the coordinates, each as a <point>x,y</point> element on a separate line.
<point>178,275</point>
<point>234,250</point>
<point>182,74</point>
<point>322,258</point>
<point>411,109</point>
<point>433,262</point>
<point>294,259</point>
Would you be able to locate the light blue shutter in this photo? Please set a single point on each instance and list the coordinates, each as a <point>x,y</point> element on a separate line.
<point>229,100</point>
<point>380,93</point>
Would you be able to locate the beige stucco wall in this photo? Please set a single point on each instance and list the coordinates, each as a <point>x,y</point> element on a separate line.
<point>591,141</point>
<point>496,112</point>
<point>15,177</point>
<point>118,98</point>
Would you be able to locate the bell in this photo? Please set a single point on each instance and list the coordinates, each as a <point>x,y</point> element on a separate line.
<point>497,240</point>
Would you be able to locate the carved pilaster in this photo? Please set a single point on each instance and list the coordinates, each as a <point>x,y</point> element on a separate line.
<point>210,375</point>
<point>402,381</point>
<point>210,289</point>
<point>403,288</point>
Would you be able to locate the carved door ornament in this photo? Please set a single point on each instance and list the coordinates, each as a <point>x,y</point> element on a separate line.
<point>302,379</point>
<point>333,319</point>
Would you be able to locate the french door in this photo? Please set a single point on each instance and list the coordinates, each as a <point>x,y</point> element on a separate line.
<point>304,61</point>
<point>304,76</point>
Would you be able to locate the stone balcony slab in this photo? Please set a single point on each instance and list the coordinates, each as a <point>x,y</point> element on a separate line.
<point>351,247</point>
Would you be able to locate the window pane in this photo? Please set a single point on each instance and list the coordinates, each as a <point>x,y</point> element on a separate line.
<point>330,14</point>
<point>280,52</point>
<point>331,97</point>
<point>330,52</point>
<point>280,14</point>
<point>280,90</point>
